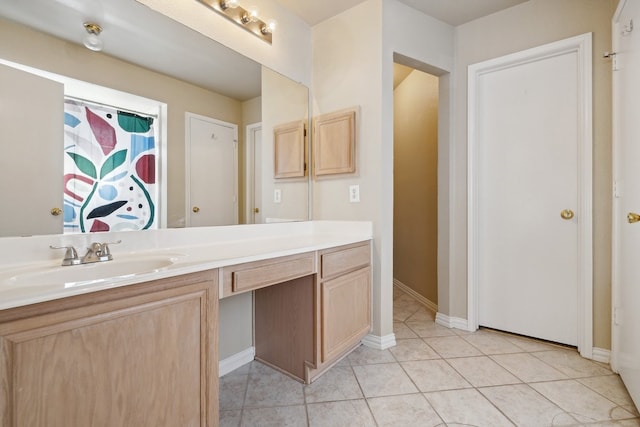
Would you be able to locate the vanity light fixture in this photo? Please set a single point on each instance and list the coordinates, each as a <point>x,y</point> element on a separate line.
<point>269,27</point>
<point>246,18</point>
<point>92,40</point>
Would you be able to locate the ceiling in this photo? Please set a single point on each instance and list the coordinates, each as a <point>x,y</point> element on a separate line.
<point>453,12</point>
<point>187,54</point>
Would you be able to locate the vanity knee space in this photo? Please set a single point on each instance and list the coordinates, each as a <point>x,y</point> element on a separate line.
<point>310,310</point>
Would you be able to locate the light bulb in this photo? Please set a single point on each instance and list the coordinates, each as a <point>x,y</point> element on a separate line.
<point>250,16</point>
<point>228,4</point>
<point>269,27</point>
<point>253,13</point>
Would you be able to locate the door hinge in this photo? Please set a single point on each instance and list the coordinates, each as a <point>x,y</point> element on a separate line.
<point>617,189</point>
<point>614,59</point>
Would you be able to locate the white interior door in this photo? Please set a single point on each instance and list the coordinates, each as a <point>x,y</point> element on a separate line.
<point>31,119</point>
<point>527,138</point>
<point>212,177</point>
<point>626,246</point>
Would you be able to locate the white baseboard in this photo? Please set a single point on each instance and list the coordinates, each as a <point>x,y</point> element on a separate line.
<point>601,355</point>
<point>407,290</point>
<point>235,361</point>
<point>452,322</point>
<point>379,343</point>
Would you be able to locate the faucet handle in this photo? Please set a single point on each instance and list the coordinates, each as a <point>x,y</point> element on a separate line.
<point>105,248</point>
<point>70,256</point>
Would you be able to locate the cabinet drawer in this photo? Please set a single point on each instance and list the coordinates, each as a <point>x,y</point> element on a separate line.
<point>344,260</point>
<point>255,275</point>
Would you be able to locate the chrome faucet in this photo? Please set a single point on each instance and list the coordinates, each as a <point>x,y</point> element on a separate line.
<point>97,252</point>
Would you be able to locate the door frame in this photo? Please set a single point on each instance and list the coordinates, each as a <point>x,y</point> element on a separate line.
<point>250,138</point>
<point>581,45</point>
<point>187,161</point>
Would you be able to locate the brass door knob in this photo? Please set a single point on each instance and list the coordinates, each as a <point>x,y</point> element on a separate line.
<point>566,214</point>
<point>56,211</point>
<point>196,209</point>
<point>633,217</point>
<point>256,210</point>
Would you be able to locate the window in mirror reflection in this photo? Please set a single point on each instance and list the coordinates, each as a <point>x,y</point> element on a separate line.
<point>110,168</point>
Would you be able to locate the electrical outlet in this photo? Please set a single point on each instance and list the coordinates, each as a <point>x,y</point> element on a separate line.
<point>354,194</point>
<point>277,196</point>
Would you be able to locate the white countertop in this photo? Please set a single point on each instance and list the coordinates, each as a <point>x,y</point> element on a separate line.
<point>30,272</point>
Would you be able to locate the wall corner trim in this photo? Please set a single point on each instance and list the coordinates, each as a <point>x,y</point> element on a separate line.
<point>378,342</point>
<point>453,322</point>
<point>601,355</point>
<point>422,300</point>
<point>235,361</point>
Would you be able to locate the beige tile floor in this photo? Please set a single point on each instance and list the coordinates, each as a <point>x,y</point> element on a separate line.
<point>435,376</point>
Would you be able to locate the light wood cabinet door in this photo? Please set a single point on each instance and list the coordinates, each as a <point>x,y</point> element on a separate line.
<point>345,311</point>
<point>290,150</point>
<point>144,360</point>
<point>334,142</point>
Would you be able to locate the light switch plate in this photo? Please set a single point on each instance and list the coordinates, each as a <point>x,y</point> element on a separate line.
<point>354,194</point>
<point>277,196</point>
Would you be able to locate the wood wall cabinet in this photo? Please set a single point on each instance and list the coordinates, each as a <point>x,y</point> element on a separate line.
<point>290,150</point>
<point>139,355</point>
<point>334,143</point>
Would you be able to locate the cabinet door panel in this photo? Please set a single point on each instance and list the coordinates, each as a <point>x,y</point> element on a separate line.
<point>346,312</point>
<point>142,361</point>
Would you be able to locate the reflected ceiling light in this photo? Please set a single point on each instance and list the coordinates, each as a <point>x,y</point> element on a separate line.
<point>251,15</point>
<point>248,19</point>
<point>92,40</point>
<point>228,4</point>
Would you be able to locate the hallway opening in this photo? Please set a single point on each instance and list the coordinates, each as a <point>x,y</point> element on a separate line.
<point>415,224</point>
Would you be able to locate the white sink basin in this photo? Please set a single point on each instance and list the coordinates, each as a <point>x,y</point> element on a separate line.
<point>85,274</point>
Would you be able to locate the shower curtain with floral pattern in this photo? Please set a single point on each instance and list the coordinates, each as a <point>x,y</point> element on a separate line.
<point>110,163</point>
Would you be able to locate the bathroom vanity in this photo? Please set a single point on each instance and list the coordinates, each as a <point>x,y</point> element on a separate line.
<point>135,342</point>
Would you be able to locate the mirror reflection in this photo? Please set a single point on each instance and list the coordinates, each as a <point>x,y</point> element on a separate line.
<point>215,112</point>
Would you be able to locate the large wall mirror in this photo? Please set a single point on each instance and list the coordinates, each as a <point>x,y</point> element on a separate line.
<point>205,93</point>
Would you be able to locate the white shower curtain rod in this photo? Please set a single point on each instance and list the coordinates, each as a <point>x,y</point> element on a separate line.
<point>100,104</point>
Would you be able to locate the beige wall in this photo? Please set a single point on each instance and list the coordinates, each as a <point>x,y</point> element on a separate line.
<point>353,66</point>
<point>347,73</point>
<point>415,183</point>
<point>531,24</point>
